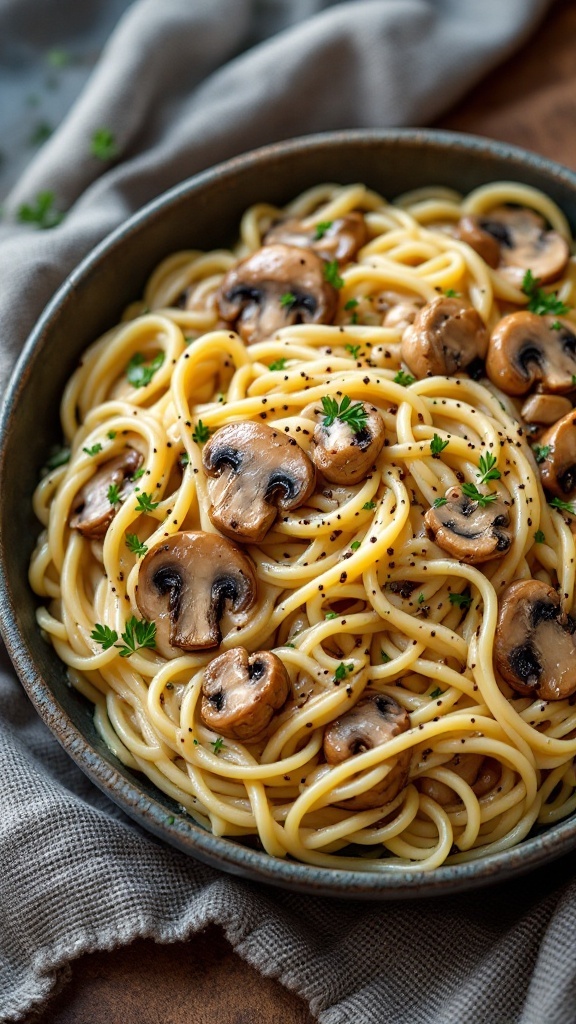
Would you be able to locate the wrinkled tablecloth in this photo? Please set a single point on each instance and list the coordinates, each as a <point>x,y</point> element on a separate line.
<point>172,88</point>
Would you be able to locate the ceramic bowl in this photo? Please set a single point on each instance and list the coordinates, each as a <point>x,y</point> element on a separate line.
<point>204,213</point>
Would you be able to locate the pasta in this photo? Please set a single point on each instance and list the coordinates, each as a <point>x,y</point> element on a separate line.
<point>355,593</point>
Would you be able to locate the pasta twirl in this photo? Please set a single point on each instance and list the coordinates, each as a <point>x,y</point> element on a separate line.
<point>354,595</point>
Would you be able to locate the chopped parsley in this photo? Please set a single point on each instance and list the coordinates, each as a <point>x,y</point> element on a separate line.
<point>94,449</point>
<point>541,302</point>
<point>288,299</point>
<point>139,634</point>
<point>436,693</point>
<point>331,274</point>
<point>487,467</point>
<point>138,473</point>
<point>420,598</point>
<point>556,326</point>
<point>113,494</point>
<point>342,671</point>
<point>462,600</point>
<point>59,457</point>
<point>385,657</point>
<point>563,506</point>
<point>437,445</point>
<point>111,434</point>
<point>184,459</point>
<point>438,502</point>
<point>330,615</point>
<point>321,228</point>
<point>278,364</point>
<point>354,415</point>
<point>450,293</point>
<point>541,452</point>
<point>201,433</point>
<point>41,212</point>
<point>353,350</point>
<point>103,144</point>
<point>145,503</point>
<point>104,636</point>
<point>139,372</point>
<point>471,491</point>
<point>351,304</point>
<point>217,745</point>
<point>539,537</point>
<point>135,545</point>
<point>355,545</point>
<point>405,379</point>
<point>368,506</point>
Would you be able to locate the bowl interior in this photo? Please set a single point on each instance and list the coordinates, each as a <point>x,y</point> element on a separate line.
<point>204,213</point>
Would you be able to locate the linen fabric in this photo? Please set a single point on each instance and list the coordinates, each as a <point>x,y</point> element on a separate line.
<point>182,85</point>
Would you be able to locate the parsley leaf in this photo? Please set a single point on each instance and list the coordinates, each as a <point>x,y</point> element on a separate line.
<point>353,350</point>
<point>541,452</point>
<point>93,450</point>
<point>111,434</point>
<point>278,364</point>
<point>355,545</point>
<point>139,634</point>
<point>436,693</point>
<point>201,433</point>
<point>438,502</point>
<point>385,657</point>
<point>138,473</point>
<point>487,468</point>
<point>104,636</point>
<point>331,274</point>
<point>113,494</point>
<point>368,506</point>
<point>135,545</point>
<point>556,326</point>
<point>145,503</point>
<point>405,379</point>
<point>471,491</point>
<point>139,372</point>
<point>450,293</point>
<point>40,212</point>
<point>354,415</point>
<point>437,445</point>
<point>341,672</point>
<point>539,537</point>
<point>542,302</point>
<point>351,304</point>
<point>420,598</point>
<point>330,615</point>
<point>321,228</point>
<point>462,600</point>
<point>288,299</point>
<point>217,745</point>
<point>103,144</point>
<point>563,506</point>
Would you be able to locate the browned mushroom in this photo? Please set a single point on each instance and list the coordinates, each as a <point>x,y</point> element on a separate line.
<point>338,239</point>
<point>275,287</point>
<point>446,337</point>
<point>515,239</point>
<point>185,584</point>
<point>92,510</point>
<point>466,530</point>
<point>372,722</point>
<point>241,692</point>
<point>558,468</point>
<point>534,645</point>
<point>255,470</point>
<point>481,773</point>
<point>544,410</point>
<point>344,447</point>
<point>526,349</point>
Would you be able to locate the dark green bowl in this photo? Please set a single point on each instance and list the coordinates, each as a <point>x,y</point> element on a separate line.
<point>204,213</point>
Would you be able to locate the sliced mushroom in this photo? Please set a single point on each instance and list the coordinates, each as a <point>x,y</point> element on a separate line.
<point>241,692</point>
<point>534,645</point>
<point>525,349</point>
<point>558,469</point>
<point>338,239</point>
<point>445,338</point>
<point>343,455</point>
<point>275,287</point>
<point>515,239</point>
<point>186,582</point>
<point>92,511</point>
<point>545,410</point>
<point>481,773</point>
<point>467,531</point>
<point>255,471</point>
<point>374,720</point>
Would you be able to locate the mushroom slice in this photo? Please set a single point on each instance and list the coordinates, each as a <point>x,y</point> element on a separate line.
<point>467,531</point>
<point>255,471</point>
<point>374,720</point>
<point>523,242</point>
<point>558,469</point>
<point>545,409</point>
<point>275,287</point>
<point>446,337</point>
<point>534,645</point>
<point>184,585</point>
<point>343,455</point>
<point>338,239</point>
<point>92,511</point>
<point>525,349</point>
<point>241,692</point>
<point>481,773</point>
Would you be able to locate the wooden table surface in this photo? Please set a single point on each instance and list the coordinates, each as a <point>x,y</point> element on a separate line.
<point>530,101</point>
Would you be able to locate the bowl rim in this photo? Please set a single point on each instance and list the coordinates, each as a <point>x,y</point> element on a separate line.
<point>179,830</point>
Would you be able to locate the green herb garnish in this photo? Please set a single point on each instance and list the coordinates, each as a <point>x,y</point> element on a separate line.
<point>563,506</point>
<point>111,434</point>
<point>217,745</point>
<point>103,144</point>
<point>145,503</point>
<point>342,671</point>
<point>139,372</point>
<point>436,693</point>
<point>288,299</point>
<point>104,636</point>
<point>541,452</point>
<point>351,304</point>
<point>138,635</point>
<point>368,506</point>
<point>138,473</point>
<point>41,212</point>
<point>539,537</point>
<point>438,502</point>
<point>94,449</point>
<point>331,274</point>
<point>321,228</point>
<point>437,445</point>
<point>471,491</point>
<point>201,433</point>
<point>278,364</point>
<point>385,657</point>
<point>487,466</point>
<point>462,600</point>
<point>354,415</point>
<point>541,302</point>
<point>135,545</point>
<point>353,350</point>
<point>405,379</point>
<point>113,494</point>
<point>420,598</point>
<point>556,326</point>
<point>355,545</point>
<point>450,293</point>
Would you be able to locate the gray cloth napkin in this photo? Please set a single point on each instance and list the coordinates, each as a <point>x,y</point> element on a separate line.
<point>182,84</point>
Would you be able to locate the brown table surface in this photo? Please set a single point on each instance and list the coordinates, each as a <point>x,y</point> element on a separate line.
<point>530,101</point>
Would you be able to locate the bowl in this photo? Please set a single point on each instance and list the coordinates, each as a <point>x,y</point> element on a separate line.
<point>204,212</point>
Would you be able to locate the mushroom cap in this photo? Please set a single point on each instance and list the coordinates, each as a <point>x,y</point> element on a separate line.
<point>558,469</point>
<point>467,531</point>
<point>525,350</point>
<point>487,245</point>
<point>252,296</point>
<point>340,241</point>
<point>372,722</point>
<point>481,773</point>
<point>343,456</point>
<point>92,511</point>
<point>241,692</point>
<point>534,644</point>
<point>184,585</point>
<point>445,337</point>
<point>545,409</point>
<point>254,470</point>
<point>524,244</point>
